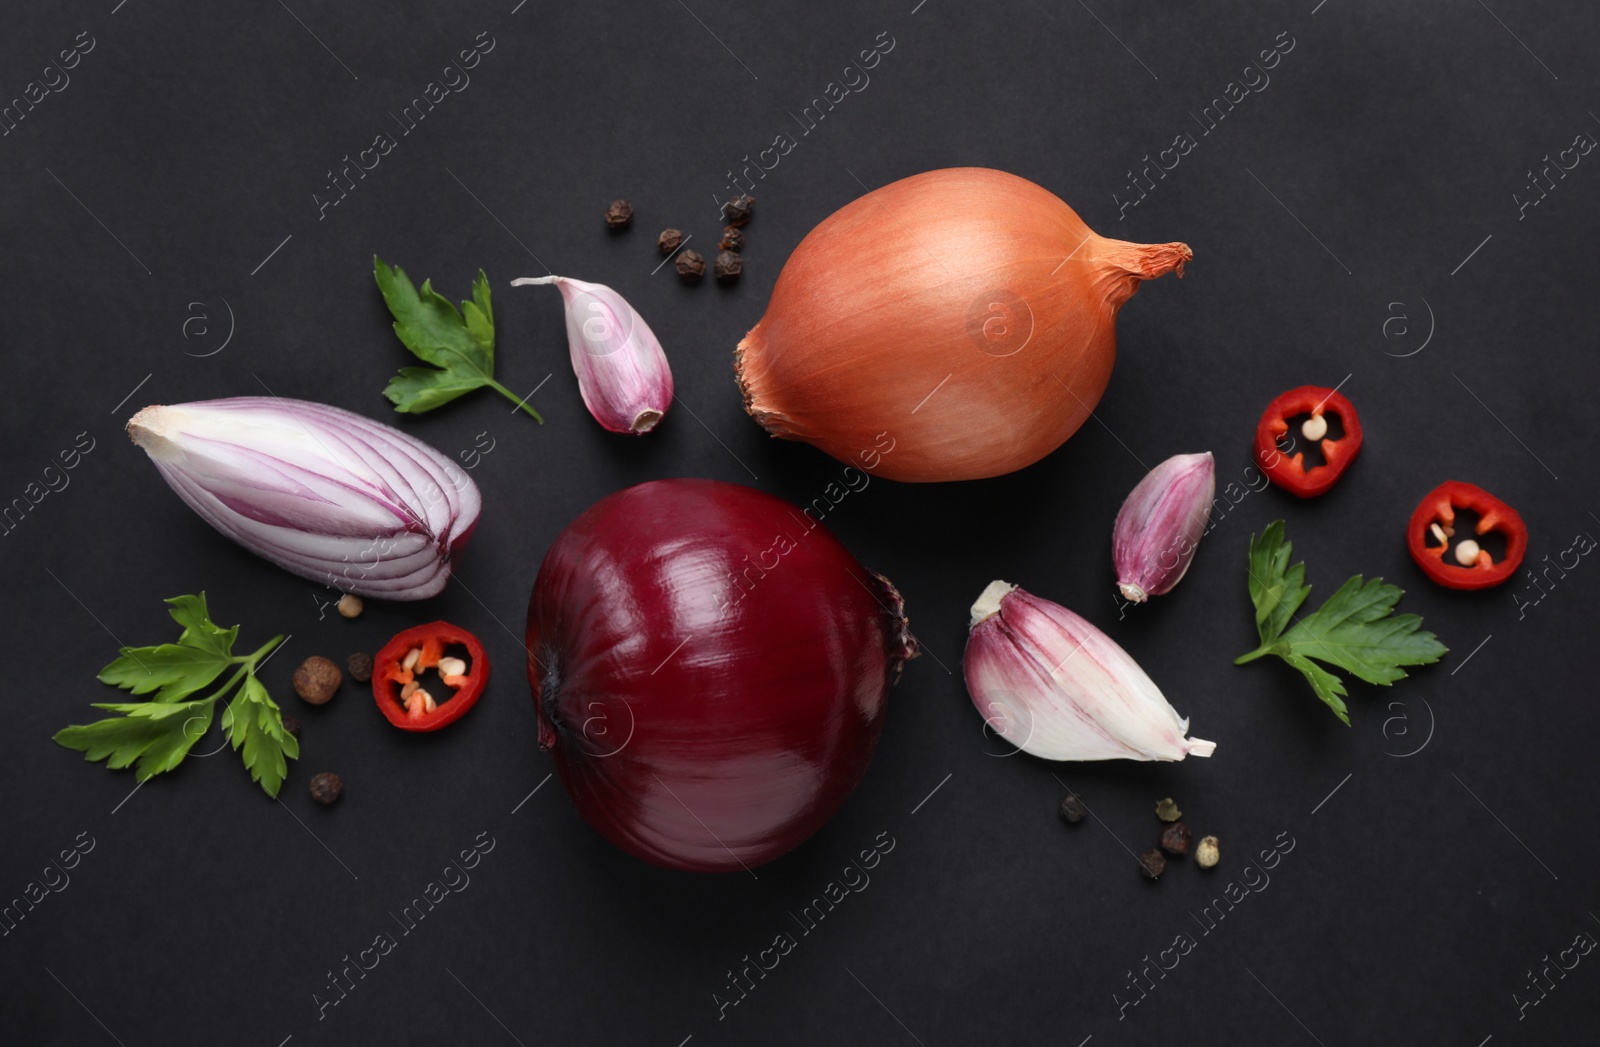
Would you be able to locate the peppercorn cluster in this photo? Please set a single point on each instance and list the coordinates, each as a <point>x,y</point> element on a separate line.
<point>690,264</point>
<point>1177,839</point>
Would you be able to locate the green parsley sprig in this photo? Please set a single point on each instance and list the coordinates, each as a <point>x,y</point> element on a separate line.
<point>155,735</point>
<point>1355,630</point>
<point>459,345</point>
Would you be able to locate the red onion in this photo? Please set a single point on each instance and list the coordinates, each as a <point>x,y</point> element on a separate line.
<point>711,670</point>
<point>319,491</point>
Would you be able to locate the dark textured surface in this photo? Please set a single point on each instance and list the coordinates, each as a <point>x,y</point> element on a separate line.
<point>1343,194</point>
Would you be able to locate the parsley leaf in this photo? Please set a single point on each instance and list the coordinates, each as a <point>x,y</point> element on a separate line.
<point>254,721</point>
<point>1355,630</point>
<point>158,735</point>
<point>175,671</point>
<point>459,345</point>
<point>198,629</point>
<point>155,735</point>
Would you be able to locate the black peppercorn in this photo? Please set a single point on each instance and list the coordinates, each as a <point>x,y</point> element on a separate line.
<point>1072,809</point>
<point>739,209</point>
<point>729,265</point>
<point>669,240</point>
<point>1175,838</point>
<point>1153,863</point>
<point>690,266</point>
<point>732,239</point>
<point>326,787</point>
<point>291,726</point>
<point>360,666</point>
<point>619,214</point>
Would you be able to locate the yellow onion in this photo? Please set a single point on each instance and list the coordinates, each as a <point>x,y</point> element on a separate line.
<point>966,313</point>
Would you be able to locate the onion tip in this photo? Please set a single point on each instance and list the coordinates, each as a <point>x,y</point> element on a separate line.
<point>148,427</point>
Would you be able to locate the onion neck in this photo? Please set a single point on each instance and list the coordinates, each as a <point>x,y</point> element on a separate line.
<point>151,428</point>
<point>899,643</point>
<point>1123,266</point>
<point>548,704</point>
<point>742,353</point>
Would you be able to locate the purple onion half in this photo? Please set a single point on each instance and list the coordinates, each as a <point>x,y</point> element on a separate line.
<point>324,493</point>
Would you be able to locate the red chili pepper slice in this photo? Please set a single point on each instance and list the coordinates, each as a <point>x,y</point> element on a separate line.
<point>1429,549</point>
<point>1290,472</point>
<point>413,708</point>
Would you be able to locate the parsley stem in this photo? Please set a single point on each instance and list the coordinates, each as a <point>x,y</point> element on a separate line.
<point>255,658</point>
<point>520,401</point>
<point>1259,652</point>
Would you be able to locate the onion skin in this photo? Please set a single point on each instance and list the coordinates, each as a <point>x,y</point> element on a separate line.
<point>969,273</point>
<point>691,727</point>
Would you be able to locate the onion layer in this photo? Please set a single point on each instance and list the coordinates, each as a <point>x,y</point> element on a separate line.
<point>710,672</point>
<point>968,312</point>
<point>319,491</point>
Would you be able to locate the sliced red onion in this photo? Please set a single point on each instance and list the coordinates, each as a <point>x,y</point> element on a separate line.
<point>319,491</point>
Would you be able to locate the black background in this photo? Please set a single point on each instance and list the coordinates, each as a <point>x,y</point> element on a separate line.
<point>1342,196</point>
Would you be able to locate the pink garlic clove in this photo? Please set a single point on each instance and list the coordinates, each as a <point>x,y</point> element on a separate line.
<point>622,372</point>
<point>1160,525</point>
<point>1054,686</point>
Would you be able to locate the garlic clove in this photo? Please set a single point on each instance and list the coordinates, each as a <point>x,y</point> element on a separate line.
<point>622,372</point>
<point>1053,685</point>
<point>1161,523</point>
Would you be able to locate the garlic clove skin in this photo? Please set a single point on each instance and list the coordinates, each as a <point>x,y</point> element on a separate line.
<point>1054,686</point>
<point>622,371</point>
<point>324,493</point>
<point>1160,525</point>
